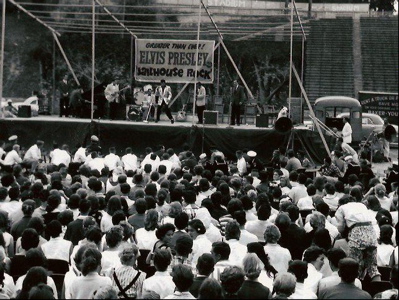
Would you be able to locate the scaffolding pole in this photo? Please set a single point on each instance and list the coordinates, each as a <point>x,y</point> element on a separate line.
<point>291,60</point>
<point>93,57</point>
<point>66,58</point>
<point>196,61</point>
<point>3,37</point>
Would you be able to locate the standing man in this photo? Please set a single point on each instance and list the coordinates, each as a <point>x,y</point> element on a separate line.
<point>163,94</point>
<point>238,98</point>
<point>200,103</point>
<point>76,102</point>
<point>347,131</point>
<point>111,93</point>
<point>64,99</point>
<point>241,163</point>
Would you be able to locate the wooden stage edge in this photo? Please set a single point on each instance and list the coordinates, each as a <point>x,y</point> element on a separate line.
<point>162,122</point>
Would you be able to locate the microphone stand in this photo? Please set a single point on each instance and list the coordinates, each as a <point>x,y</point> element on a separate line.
<point>203,134</point>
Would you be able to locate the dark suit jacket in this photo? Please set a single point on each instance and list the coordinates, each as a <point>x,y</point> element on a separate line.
<point>64,88</point>
<point>74,232</point>
<point>238,95</point>
<point>196,285</point>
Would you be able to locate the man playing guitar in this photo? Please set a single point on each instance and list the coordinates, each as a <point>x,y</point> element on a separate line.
<point>163,94</point>
<point>112,93</point>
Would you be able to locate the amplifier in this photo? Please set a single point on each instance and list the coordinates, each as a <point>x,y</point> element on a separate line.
<point>24,111</point>
<point>210,117</point>
<point>262,120</point>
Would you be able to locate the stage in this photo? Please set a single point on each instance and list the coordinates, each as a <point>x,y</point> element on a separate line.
<point>139,135</point>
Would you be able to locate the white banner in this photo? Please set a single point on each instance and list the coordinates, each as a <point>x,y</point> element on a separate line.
<point>173,60</point>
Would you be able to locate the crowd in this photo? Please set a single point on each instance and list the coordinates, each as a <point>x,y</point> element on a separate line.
<point>89,224</point>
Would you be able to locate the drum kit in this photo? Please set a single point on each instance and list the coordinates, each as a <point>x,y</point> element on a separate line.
<point>141,110</point>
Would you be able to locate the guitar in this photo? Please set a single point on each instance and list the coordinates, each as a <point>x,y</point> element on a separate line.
<point>181,114</point>
<point>111,97</point>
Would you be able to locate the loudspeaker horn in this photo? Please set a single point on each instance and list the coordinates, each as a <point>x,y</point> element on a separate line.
<point>283,125</point>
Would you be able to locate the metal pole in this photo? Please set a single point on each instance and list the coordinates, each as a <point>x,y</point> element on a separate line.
<point>302,60</point>
<point>66,59</point>
<point>196,61</point>
<point>54,53</point>
<point>93,53</point>
<point>131,58</point>
<point>34,17</point>
<point>291,53</point>
<point>218,76</point>
<point>3,37</point>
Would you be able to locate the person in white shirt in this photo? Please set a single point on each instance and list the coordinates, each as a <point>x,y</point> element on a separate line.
<point>200,102</point>
<point>129,160</point>
<point>201,244</point>
<point>183,278</point>
<point>380,193</point>
<point>299,191</point>
<point>300,269</point>
<point>85,286</point>
<point>347,131</point>
<point>238,250</point>
<point>334,256</point>
<point>331,198</point>
<point>167,163</point>
<point>241,163</point>
<point>80,155</point>
<point>12,157</point>
<point>96,163</point>
<point>279,256</point>
<point>385,247</point>
<point>57,247</point>
<point>221,253</point>
<point>245,236</point>
<point>161,282</point>
<point>258,227</point>
<point>153,160</point>
<point>60,156</point>
<point>174,158</point>
<point>356,217</point>
<point>112,160</point>
<point>306,203</point>
<point>314,256</point>
<point>33,155</point>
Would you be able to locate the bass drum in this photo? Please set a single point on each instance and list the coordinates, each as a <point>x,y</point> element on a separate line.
<point>133,113</point>
<point>139,97</point>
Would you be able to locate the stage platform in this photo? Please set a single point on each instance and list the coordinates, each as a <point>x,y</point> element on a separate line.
<point>138,135</point>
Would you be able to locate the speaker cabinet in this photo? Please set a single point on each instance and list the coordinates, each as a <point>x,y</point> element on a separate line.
<point>262,120</point>
<point>24,111</point>
<point>211,117</point>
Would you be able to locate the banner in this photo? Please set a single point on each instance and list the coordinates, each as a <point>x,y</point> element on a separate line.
<point>383,104</point>
<point>173,60</point>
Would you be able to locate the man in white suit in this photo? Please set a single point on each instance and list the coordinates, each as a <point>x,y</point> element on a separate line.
<point>163,94</point>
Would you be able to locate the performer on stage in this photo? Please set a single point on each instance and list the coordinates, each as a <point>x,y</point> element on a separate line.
<point>163,94</point>
<point>64,88</point>
<point>111,93</point>
<point>238,98</point>
<point>148,103</point>
<point>76,102</point>
<point>200,103</point>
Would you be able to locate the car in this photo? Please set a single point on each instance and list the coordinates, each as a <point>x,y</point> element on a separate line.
<point>32,101</point>
<point>372,123</point>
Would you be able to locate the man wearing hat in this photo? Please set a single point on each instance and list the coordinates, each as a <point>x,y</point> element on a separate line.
<point>94,145</point>
<point>254,162</point>
<point>10,111</point>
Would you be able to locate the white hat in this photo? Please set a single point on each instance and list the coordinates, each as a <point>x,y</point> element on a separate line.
<point>202,156</point>
<point>348,157</point>
<point>9,101</point>
<point>94,138</point>
<point>12,138</point>
<point>251,153</point>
